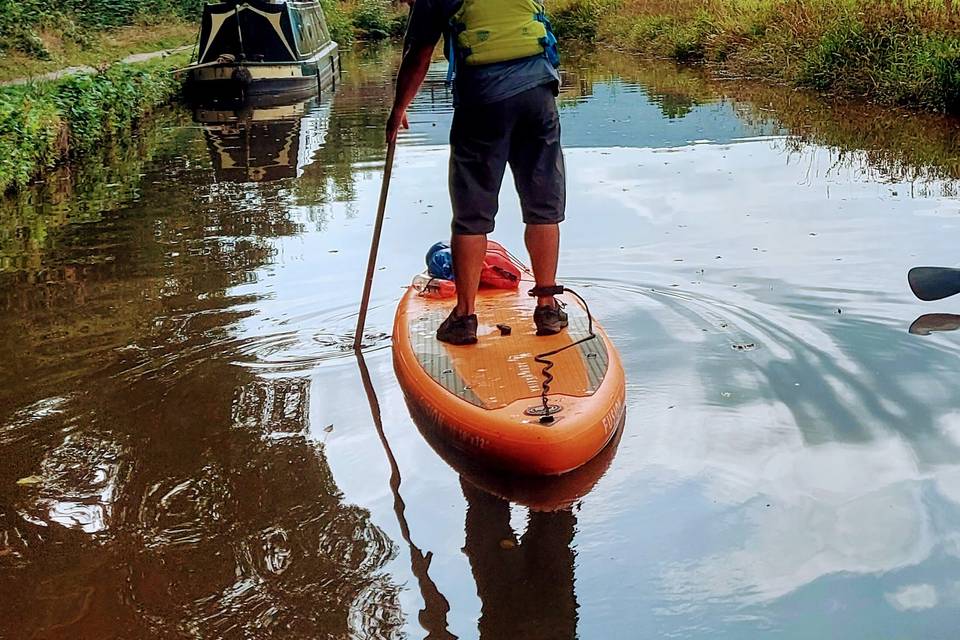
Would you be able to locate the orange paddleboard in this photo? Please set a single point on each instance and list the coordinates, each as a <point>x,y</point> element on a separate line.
<point>486,398</point>
<point>539,493</point>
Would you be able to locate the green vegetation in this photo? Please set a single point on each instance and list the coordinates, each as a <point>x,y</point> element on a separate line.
<point>903,52</point>
<point>43,124</point>
<point>37,36</point>
<point>29,26</point>
<point>580,19</point>
<point>338,22</point>
<point>100,48</point>
<point>368,19</point>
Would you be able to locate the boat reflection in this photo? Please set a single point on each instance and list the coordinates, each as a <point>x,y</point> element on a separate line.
<point>264,141</point>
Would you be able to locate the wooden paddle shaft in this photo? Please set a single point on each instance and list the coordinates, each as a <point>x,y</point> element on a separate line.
<point>374,245</point>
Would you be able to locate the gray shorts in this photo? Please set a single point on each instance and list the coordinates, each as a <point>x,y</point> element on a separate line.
<point>524,131</point>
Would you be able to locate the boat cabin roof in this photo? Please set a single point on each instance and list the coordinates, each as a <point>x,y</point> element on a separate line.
<point>262,31</point>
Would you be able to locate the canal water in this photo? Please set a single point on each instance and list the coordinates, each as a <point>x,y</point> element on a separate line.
<point>188,447</point>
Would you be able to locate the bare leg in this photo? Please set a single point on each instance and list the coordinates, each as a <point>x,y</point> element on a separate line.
<point>468,253</point>
<point>543,243</point>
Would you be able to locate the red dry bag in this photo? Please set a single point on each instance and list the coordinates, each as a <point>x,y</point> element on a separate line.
<point>499,271</point>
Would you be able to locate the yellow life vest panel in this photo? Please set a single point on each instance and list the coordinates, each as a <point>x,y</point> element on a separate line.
<point>489,31</point>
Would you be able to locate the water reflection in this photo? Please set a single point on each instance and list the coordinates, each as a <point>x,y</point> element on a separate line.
<point>552,493</point>
<point>523,572</point>
<point>76,485</point>
<point>186,450</point>
<point>433,615</point>
<point>525,582</point>
<point>223,527</point>
<point>152,487</point>
<point>263,144</point>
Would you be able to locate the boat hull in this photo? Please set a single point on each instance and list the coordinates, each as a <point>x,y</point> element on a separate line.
<point>242,81</point>
<point>537,492</point>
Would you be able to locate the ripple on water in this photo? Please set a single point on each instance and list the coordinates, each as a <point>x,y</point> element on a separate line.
<point>76,485</point>
<point>279,548</point>
<point>22,423</point>
<point>185,511</point>
<point>300,351</point>
<point>285,352</point>
<point>705,313</point>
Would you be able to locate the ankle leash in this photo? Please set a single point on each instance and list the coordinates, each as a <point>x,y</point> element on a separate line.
<point>546,411</point>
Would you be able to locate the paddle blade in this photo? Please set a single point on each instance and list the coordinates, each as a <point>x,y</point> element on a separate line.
<point>934,323</point>
<point>934,283</point>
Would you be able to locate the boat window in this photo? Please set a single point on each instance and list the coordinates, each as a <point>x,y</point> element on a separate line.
<point>309,28</point>
<point>324,35</point>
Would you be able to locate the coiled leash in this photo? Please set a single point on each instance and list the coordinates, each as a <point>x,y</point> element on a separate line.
<point>546,411</point>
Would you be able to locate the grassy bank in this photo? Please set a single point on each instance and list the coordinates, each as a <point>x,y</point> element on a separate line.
<point>44,124</point>
<point>100,48</point>
<point>43,31</point>
<point>903,52</point>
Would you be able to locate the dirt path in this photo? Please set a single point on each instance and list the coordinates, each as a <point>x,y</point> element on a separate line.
<point>73,71</point>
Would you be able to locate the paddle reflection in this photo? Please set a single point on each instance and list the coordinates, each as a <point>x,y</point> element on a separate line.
<point>433,616</point>
<point>935,323</point>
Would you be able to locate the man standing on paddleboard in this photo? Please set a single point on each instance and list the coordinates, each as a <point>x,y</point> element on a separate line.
<point>503,63</point>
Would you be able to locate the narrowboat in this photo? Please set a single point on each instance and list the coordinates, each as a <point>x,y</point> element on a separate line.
<point>257,48</point>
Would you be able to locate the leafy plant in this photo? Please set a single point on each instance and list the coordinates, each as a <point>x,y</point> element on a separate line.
<point>42,124</point>
<point>338,21</point>
<point>372,19</point>
<point>579,19</point>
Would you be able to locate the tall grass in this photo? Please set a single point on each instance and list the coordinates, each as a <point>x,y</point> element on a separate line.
<point>893,51</point>
<point>43,124</point>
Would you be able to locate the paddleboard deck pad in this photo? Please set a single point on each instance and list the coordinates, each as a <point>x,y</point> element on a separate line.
<point>486,398</point>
